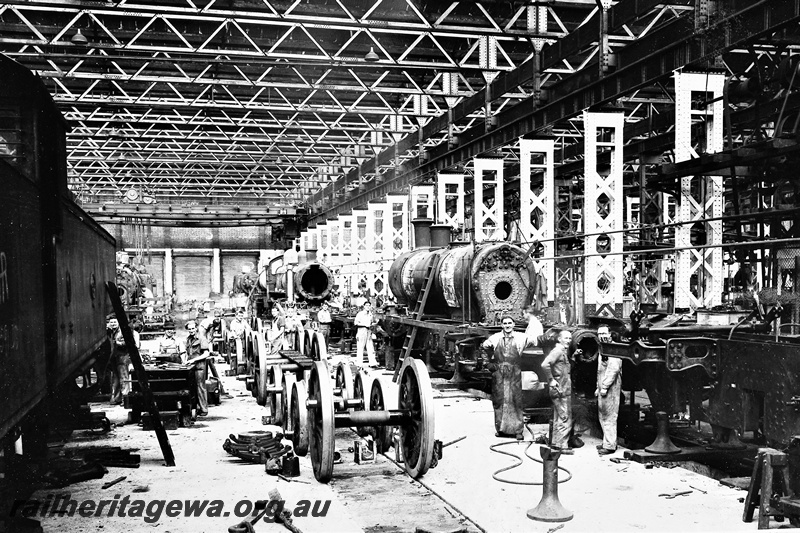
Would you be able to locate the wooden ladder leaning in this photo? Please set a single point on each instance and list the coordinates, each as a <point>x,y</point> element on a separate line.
<point>419,311</point>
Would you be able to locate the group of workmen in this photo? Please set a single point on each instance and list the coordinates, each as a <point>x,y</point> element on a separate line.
<point>504,351</point>
<point>194,351</point>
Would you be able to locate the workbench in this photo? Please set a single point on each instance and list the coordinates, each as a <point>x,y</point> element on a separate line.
<point>174,389</point>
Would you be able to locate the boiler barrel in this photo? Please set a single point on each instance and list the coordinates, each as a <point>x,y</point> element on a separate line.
<point>475,283</point>
<point>313,281</point>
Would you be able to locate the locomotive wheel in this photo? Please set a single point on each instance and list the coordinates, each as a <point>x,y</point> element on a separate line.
<point>308,341</point>
<point>416,437</point>
<point>300,341</point>
<point>377,401</point>
<point>362,383</point>
<point>320,422</point>
<point>275,399</point>
<point>319,351</point>
<point>361,389</point>
<point>344,381</point>
<point>288,382</point>
<point>261,370</point>
<point>238,358</point>
<point>297,412</point>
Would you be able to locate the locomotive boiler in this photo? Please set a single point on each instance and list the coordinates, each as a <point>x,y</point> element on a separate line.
<point>471,283</point>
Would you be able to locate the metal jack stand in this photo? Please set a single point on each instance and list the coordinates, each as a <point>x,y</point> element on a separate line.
<point>550,508</point>
<point>662,444</point>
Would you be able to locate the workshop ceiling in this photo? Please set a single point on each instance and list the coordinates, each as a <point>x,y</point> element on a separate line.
<point>318,103</point>
<point>232,100</point>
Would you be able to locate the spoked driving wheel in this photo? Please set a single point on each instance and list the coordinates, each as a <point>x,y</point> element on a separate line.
<point>415,396</point>
<point>320,422</point>
<point>378,401</point>
<point>297,412</point>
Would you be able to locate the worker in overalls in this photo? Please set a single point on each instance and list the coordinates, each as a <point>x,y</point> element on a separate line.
<point>196,347</point>
<point>609,385</point>
<point>238,329</point>
<point>556,369</point>
<point>363,323</point>
<point>504,353</point>
<point>121,363</point>
<point>276,334</point>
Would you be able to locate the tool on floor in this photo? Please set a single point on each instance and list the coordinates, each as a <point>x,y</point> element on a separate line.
<point>698,490</point>
<point>114,482</point>
<point>671,495</point>
<point>285,515</point>
<point>550,508</point>
<point>459,439</point>
<point>248,526</point>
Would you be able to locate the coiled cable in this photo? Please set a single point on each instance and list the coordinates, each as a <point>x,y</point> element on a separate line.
<point>494,448</point>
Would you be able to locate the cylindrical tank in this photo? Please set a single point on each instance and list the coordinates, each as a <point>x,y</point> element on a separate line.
<point>475,282</point>
<point>313,282</point>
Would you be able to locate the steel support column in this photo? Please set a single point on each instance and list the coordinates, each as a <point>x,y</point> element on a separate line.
<point>537,205</point>
<point>346,239</point>
<point>602,211</point>
<point>378,275</point>
<point>398,225</point>
<point>698,274</point>
<point>362,255</point>
<point>450,202</point>
<point>488,213</point>
<point>421,205</point>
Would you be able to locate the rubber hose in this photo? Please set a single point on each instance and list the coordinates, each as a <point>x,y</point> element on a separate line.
<point>519,460</point>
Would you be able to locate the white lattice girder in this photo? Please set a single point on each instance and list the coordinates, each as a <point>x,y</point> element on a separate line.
<point>533,197</point>
<point>398,234</point>
<point>488,218</point>
<point>376,242</point>
<point>422,201</point>
<point>450,206</point>
<point>323,247</point>
<point>705,264</point>
<point>361,255</point>
<point>603,280</point>
<point>334,241</point>
<point>421,198</point>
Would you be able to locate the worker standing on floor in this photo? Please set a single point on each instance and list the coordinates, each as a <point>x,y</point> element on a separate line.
<point>505,353</point>
<point>609,383</point>
<point>556,368</point>
<point>121,362</point>
<point>324,320</point>
<point>363,322</point>
<point>197,354</point>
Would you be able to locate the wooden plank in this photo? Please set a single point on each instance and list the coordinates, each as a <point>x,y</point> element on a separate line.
<point>141,373</point>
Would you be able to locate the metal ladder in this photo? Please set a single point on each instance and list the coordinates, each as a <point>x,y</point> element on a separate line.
<point>419,311</point>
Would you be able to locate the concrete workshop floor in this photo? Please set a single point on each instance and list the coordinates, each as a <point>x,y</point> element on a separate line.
<point>379,497</point>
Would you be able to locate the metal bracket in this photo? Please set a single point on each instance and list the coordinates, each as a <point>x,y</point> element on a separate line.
<point>693,352</point>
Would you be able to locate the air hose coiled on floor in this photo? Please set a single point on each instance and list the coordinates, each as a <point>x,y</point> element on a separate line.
<point>519,460</point>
